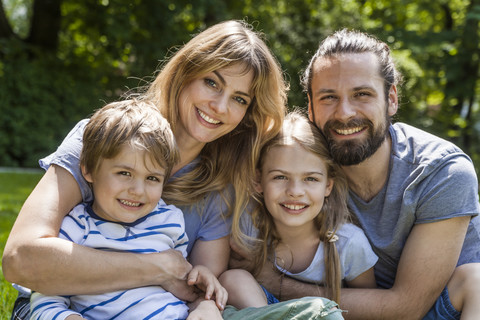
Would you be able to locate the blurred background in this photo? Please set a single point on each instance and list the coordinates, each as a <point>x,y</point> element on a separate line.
<point>62,59</point>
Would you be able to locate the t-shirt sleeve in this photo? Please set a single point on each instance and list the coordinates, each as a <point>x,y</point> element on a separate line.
<point>450,190</point>
<point>67,156</point>
<point>215,224</point>
<point>356,255</point>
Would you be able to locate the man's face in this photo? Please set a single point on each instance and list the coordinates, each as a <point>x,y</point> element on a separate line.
<point>348,104</point>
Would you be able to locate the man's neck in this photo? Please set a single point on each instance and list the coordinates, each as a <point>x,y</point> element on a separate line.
<point>367,178</point>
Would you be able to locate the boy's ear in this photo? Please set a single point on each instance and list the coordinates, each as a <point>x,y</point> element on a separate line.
<point>258,185</point>
<point>86,175</point>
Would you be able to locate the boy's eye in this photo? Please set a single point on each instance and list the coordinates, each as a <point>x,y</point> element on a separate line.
<point>153,178</point>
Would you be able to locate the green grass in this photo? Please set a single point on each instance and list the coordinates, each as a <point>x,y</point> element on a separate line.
<point>14,189</point>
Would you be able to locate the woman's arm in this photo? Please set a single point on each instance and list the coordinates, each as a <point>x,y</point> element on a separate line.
<point>213,254</point>
<point>36,258</point>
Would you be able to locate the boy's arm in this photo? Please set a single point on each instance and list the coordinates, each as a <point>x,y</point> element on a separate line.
<point>51,307</point>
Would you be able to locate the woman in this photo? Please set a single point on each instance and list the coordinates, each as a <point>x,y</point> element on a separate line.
<point>224,96</point>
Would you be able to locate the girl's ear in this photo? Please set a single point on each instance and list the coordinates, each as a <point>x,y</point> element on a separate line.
<point>329,187</point>
<point>258,179</point>
<point>86,175</point>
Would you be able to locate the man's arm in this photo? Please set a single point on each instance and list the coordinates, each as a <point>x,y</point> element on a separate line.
<point>419,280</point>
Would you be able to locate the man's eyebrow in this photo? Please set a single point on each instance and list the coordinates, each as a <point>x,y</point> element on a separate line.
<point>322,91</point>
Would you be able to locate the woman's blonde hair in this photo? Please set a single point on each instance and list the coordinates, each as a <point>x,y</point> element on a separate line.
<point>299,130</point>
<point>231,158</point>
<point>128,122</point>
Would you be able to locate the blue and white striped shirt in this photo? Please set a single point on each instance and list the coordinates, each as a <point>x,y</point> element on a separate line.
<point>162,229</point>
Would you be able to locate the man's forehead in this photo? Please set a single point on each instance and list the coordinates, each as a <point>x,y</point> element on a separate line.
<point>345,58</point>
<point>351,67</point>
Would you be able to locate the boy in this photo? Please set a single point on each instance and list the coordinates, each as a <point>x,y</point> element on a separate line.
<point>127,156</point>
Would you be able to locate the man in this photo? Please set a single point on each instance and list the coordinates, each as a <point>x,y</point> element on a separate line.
<point>414,194</point>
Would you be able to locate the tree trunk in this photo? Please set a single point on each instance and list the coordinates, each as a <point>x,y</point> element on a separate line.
<point>45,24</point>
<point>5,29</point>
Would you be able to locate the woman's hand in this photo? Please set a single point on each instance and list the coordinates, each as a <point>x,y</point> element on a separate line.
<point>205,280</point>
<point>174,269</point>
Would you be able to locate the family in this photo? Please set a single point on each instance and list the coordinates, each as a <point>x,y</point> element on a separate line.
<point>201,198</point>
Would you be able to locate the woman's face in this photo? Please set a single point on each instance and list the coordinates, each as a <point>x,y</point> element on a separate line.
<point>213,105</point>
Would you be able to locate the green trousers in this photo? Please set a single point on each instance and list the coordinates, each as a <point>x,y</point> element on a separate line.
<point>297,309</point>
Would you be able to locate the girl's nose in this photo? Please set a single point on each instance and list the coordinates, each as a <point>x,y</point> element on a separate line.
<point>295,189</point>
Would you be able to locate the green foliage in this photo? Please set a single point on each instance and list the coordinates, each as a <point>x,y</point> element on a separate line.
<point>14,189</point>
<point>109,46</point>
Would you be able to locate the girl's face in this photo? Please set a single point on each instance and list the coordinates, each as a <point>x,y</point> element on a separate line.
<point>294,183</point>
<point>126,187</point>
<point>213,105</point>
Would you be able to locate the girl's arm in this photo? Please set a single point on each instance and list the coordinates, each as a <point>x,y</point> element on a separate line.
<point>36,258</point>
<point>365,280</point>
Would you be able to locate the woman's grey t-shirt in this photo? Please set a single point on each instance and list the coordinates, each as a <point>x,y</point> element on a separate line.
<point>203,221</point>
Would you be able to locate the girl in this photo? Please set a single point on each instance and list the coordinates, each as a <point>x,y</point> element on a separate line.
<point>224,95</point>
<point>300,222</point>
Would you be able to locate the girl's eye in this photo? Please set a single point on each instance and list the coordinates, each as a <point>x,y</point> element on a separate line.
<point>241,100</point>
<point>124,173</point>
<point>279,177</point>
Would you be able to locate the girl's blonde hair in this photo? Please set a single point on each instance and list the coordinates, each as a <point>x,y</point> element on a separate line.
<point>298,129</point>
<point>231,158</point>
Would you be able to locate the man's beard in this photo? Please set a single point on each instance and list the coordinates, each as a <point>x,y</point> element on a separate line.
<point>354,151</point>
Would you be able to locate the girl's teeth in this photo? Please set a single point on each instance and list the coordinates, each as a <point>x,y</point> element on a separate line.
<point>294,206</point>
<point>207,118</point>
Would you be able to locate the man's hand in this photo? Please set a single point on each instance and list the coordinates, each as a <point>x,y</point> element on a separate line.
<point>204,279</point>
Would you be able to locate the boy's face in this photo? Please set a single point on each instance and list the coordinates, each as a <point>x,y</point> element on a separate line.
<point>126,187</point>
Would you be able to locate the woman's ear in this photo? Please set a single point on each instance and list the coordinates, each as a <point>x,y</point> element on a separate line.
<point>258,180</point>
<point>86,175</point>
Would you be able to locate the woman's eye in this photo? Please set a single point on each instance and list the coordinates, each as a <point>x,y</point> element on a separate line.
<point>211,83</point>
<point>279,178</point>
<point>241,100</point>
<point>311,179</point>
